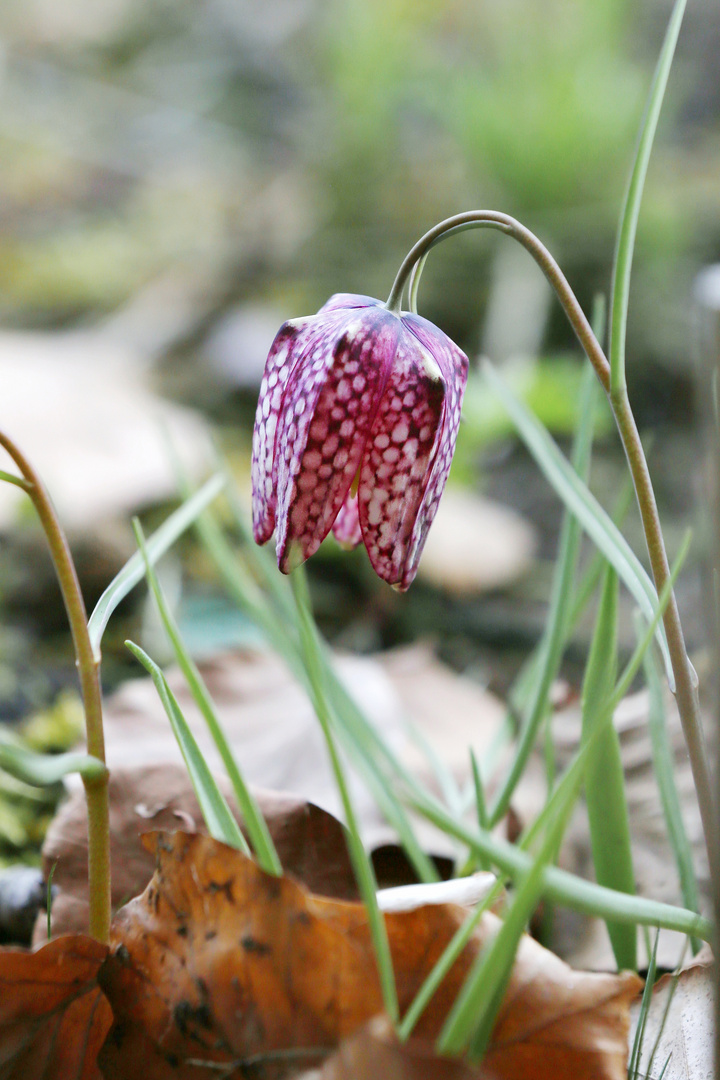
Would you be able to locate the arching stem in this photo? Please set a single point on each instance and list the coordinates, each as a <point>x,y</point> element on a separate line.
<point>685,683</point>
<point>96,788</point>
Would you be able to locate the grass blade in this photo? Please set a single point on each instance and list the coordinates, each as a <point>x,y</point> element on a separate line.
<point>217,814</point>
<point>133,571</point>
<point>583,504</point>
<point>472,1016</point>
<point>633,197</point>
<point>254,821</point>
<point>559,611</point>
<point>44,770</point>
<point>365,745</point>
<point>664,767</point>
<point>360,859</point>
<point>604,777</point>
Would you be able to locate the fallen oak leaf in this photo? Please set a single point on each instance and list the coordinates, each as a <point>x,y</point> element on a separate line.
<point>53,1016</point>
<point>218,962</point>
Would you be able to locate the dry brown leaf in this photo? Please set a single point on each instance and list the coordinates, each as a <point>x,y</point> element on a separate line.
<point>310,842</point>
<point>688,1037</point>
<point>374,1052</point>
<point>219,962</point>
<point>53,1016</point>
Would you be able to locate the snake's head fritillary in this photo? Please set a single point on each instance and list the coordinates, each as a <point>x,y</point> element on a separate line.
<point>355,430</point>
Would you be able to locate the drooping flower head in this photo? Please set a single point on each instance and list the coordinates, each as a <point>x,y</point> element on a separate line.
<point>355,430</point>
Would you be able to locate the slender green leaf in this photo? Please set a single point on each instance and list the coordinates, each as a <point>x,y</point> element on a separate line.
<point>634,1063</point>
<point>646,636</point>
<point>49,899</point>
<point>558,622</point>
<point>560,886</point>
<point>217,814</point>
<point>449,955</point>
<point>133,571</point>
<point>363,742</point>
<point>254,821</point>
<point>577,497</point>
<point>44,770</point>
<point>471,1019</point>
<point>16,481</point>
<point>664,767</point>
<point>633,198</point>
<point>361,862</point>
<point>604,778</point>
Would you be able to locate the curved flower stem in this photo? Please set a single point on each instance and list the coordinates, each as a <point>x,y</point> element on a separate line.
<point>96,788</point>
<point>685,683</point>
<point>492,219</point>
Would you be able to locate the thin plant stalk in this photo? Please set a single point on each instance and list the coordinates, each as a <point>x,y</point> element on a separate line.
<point>96,787</point>
<point>684,675</point>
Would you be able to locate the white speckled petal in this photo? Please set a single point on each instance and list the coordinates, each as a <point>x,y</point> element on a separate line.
<point>285,350</point>
<point>399,456</point>
<point>327,410</point>
<point>453,364</point>
<point>346,528</point>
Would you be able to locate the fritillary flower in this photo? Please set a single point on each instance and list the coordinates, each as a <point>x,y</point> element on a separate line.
<point>355,430</point>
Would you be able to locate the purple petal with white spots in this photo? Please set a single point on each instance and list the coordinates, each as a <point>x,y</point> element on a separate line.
<point>399,455</point>
<point>327,410</point>
<point>355,391</point>
<point>454,366</point>
<point>284,352</point>
<point>346,529</point>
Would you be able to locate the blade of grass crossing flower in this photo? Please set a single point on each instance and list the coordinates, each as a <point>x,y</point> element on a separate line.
<point>361,862</point>
<point>577,497</point>
<point>633,198</point>
<point>157,544</point>
<point>604,778</point>
<point>255,823</point>
<point>558,619</point>
<point>217,814</point>
<point>664,767</point>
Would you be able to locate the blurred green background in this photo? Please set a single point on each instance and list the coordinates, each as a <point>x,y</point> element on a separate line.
<point>278,151</point>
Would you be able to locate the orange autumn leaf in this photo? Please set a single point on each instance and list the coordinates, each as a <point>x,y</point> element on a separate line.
<point>53,1016</point>
<point>218,962</point>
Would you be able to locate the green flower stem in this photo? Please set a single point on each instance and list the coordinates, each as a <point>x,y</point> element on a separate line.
<point>685,688</point>
<point>493,219</point>
<point>685,678</point>
<point>96,787</point>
